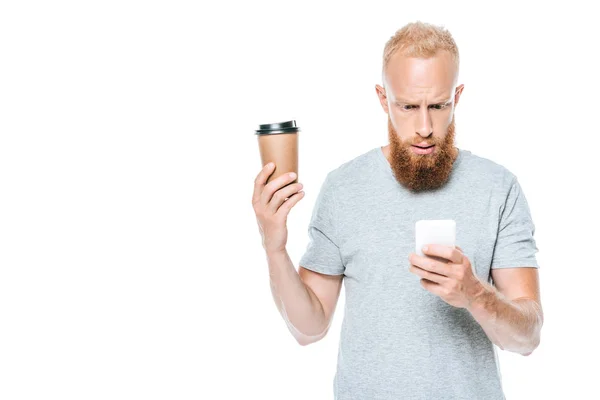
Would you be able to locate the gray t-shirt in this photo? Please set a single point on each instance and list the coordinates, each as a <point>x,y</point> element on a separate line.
<point>399,341</point>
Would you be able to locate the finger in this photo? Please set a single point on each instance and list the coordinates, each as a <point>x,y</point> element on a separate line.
<point>261,178</point>
<point>282,194</point>
<point>461,255</point>
<point>430,264</point>
<point>431,276</point>
<point>285,208</point>
<point>442,253</point>
<point>432,287</point>
<point>273,186</point>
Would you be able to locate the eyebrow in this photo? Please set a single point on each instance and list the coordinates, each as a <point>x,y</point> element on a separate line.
<point>403,101</point>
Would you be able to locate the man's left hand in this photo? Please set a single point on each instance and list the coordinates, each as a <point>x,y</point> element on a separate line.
<point>445,271</point>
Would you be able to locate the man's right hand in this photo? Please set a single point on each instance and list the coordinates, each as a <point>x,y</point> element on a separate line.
<point>272,202</point>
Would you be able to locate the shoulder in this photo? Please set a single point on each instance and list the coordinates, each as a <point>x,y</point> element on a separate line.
<point>352,170</point>
<point>487,170</point>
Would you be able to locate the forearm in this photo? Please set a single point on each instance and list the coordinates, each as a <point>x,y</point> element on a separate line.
<point>300,308</point>
<point>512,325</point>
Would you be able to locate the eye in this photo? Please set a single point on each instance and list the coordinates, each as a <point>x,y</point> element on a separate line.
<point>439,106</point>
<point>407,107</point>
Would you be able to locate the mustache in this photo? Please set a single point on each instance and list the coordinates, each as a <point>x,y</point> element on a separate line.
<point>423,144</point>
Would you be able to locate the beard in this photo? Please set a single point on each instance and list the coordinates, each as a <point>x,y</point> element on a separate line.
<point>420,172</point>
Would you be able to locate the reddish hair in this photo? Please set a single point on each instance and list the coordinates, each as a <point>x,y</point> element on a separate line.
<point>419,39</point>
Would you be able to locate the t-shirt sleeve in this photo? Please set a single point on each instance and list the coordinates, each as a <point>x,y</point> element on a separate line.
<point>322,252</point>
<point>515,243</point>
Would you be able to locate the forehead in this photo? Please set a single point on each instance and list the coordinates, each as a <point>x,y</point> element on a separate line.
<point>415,78</point>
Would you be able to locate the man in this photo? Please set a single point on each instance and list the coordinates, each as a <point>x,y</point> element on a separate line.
<point>414,327</point>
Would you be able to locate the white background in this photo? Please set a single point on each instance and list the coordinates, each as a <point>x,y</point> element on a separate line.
<point>131,265</point>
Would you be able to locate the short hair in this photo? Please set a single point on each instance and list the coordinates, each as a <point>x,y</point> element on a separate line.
<point>419,39</point>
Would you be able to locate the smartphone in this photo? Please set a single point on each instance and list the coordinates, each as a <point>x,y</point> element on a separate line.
<point>437,231</point>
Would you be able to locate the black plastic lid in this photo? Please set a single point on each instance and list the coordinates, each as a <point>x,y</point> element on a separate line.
<point>278,127</point>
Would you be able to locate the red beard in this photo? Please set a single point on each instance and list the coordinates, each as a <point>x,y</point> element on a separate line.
<point>419,172</point>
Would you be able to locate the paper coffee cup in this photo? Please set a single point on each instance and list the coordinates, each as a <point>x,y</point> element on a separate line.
<point>278,143</point>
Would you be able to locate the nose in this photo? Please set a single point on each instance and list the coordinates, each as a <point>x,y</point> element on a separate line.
<point>424,124</point>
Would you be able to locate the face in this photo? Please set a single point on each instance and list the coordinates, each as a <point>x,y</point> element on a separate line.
<point>420,98</point>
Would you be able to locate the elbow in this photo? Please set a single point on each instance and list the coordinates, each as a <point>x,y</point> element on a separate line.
<point>534,339</point>
<point>305,340</point>
<point>531,348</point>
<point>528,353</point>
<point>524,347</point>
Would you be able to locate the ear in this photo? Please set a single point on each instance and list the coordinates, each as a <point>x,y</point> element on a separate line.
<point>457,94</point>
<point>381,94</point>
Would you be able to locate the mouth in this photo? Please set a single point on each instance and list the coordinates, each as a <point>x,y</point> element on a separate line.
<point>422,150</point>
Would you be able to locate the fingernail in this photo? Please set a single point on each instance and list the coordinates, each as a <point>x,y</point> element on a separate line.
<point>292,175</point>
<point>425,248</point>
